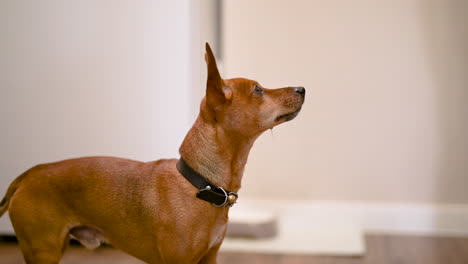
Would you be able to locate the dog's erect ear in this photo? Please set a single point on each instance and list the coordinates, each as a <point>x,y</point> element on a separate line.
<point>216,92</point>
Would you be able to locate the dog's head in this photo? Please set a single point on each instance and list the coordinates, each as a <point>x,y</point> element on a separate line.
<point>243,106</point>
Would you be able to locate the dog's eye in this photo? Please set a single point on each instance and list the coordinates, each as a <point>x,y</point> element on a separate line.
<point>258,90</point>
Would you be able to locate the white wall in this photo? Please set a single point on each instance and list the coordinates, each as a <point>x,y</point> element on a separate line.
<point>80,78</point>
<point>385,117</point>
<point>204,29</point>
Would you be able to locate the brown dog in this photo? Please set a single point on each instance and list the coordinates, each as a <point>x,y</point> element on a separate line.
<point>151,210</point>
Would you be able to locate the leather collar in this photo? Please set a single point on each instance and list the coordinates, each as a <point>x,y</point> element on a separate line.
<point>207,191</point>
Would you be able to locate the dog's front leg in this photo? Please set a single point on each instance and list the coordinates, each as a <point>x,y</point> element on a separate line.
<point>211,256</point>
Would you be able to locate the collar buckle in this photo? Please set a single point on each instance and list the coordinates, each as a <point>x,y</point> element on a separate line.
<point>232,199</point>
<point>207,191</point>
<point>218,196</point>
<point>229,198</point>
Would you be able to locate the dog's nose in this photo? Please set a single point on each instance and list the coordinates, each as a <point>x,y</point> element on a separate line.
<point>300,90</point>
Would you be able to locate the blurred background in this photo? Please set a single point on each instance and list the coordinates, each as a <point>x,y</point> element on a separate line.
<point>380,147</point>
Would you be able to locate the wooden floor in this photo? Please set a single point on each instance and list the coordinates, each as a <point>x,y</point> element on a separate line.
<point>381,249</point>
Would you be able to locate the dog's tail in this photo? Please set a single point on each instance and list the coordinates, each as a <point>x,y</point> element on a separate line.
<point>4,204</point>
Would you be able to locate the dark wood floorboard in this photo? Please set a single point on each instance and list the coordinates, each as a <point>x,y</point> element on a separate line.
<point>381,249</point>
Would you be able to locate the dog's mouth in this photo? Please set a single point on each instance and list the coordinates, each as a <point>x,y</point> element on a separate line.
<point>288,116</point>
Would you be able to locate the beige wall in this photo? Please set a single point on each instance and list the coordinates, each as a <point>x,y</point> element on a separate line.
<point>386,112</point>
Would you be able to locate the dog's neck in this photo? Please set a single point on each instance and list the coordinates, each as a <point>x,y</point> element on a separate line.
<point>217,155</point>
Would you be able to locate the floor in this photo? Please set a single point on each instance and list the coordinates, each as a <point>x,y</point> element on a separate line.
<point>381,249</point>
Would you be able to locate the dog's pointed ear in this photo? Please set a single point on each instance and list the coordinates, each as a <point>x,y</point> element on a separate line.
<point>216,92</point>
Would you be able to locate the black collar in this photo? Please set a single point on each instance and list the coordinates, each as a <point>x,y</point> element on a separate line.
<point>207,191</point>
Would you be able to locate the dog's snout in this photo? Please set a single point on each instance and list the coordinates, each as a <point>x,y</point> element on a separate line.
<point>300,90</point>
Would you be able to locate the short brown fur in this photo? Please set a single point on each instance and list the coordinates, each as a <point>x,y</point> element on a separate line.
<point>148,209</point>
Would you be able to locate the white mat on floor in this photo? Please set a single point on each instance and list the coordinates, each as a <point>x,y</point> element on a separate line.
<point>302,230</point>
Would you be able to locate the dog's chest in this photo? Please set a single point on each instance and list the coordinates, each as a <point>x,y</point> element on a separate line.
<point>217,235</point>
<point>217,231</point>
